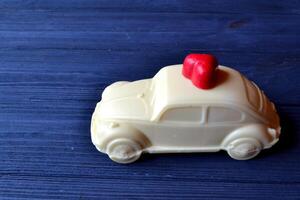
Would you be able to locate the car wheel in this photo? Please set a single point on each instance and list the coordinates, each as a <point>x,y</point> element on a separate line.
<point>124,150</point>
<point>244,148</point>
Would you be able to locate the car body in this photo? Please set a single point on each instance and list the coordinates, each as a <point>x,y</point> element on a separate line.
<point>168,114</point>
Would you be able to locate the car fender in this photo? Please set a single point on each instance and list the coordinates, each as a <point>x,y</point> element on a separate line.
<point>256,131</point>
<point>115,130</point>
<point>112,86</point>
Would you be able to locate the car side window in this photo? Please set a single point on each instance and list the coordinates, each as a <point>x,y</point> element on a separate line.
<point>187,114</point>
<point>222,114</point>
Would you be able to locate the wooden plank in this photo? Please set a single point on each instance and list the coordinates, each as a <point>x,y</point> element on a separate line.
<point>171,6</point>
<point>98,21</point>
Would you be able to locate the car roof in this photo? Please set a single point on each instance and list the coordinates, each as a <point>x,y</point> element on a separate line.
<point>171,89</point>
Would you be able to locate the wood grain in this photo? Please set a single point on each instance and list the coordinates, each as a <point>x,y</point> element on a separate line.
<point>56,57</point>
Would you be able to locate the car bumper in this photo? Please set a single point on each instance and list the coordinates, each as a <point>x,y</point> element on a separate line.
<point>95,131</point>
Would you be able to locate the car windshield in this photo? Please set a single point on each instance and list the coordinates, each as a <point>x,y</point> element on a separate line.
<point>156,94</point>
<point>151,93</point>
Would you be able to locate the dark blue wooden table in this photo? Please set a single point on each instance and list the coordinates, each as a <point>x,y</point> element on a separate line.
<point>56,57</point>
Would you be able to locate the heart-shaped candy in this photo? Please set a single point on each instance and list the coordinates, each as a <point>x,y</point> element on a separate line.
<point>200,69</point>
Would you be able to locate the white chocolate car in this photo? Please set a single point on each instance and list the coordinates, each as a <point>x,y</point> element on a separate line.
<point>171,114</point>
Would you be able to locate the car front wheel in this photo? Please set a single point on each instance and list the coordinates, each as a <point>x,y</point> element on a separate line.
<point>244,148</point>
<point>123,150</point>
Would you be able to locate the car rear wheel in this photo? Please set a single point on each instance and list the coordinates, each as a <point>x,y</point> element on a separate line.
<point>244,148</point>
<point>123,150</point>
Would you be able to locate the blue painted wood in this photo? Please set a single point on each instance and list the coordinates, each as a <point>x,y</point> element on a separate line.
<point>56,58</point>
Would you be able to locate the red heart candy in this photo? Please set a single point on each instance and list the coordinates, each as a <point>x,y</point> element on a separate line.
<point>200,69</point>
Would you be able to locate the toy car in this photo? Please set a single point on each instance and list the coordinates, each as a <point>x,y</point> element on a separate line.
<point>195,107</point>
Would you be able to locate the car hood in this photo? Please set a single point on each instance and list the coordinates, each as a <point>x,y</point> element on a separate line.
<point>125,100</point>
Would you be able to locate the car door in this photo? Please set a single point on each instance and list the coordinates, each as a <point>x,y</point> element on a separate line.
<point>180,127</point>
<point>220,121</point>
